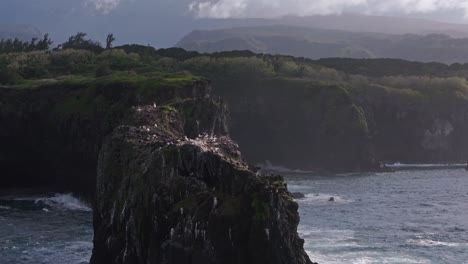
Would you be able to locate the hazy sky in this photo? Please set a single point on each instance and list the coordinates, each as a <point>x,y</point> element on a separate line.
<point>271,8</point>
<point>165,21</point>
<point>268,8</point>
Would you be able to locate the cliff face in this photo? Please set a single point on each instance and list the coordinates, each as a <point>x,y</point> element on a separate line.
<point>318,126</point>
<point>409,128</point>
<point>51,136</point>
<point>173,188</point>
<point>297,124</point>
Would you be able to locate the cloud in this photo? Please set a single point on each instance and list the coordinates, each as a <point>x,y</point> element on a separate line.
<point>274,8</point>
<point>103,6</point>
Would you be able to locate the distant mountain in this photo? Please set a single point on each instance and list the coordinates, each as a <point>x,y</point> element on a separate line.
<point>163,23</point>
<point>22,32</point>
<point>380,24</point>
<point>324,43</point>
<point>347,22</point>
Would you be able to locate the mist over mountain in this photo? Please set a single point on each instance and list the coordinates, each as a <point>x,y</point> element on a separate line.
<point>276,132</point>
<point>322,43</point>
<point>163,23</point>
<point>22,32</point>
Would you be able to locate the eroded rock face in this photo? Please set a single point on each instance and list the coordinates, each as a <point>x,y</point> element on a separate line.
<point>51,136</point>
<point>173,188</point>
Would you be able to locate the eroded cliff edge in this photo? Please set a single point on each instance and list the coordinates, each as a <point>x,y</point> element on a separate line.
<point>50,136</point>
<point>173,188</point>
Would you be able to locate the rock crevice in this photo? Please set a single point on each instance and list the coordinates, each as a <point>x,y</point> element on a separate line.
<point>172,187</point>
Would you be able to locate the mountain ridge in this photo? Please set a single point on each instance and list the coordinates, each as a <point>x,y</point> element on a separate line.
<point>23,32</point>
<point>315,43</point>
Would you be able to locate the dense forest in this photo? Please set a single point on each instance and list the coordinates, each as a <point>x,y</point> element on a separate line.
<point>330,113</point>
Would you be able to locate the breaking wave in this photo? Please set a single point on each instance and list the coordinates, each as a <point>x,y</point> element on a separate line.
<point>268,166</point>
<point>425,166</point>
<point>64,201</point>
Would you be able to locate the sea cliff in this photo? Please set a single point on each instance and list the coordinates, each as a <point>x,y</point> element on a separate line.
<point>172,187</point>
<point>51,135</point>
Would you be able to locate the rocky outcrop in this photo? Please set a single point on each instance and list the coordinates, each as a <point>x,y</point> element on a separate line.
<point>173,188</point>
<point>407,129</point>
<point>297,124</point>
<point>51,136</point>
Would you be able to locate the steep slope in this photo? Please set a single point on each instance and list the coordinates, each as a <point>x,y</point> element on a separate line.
<point>51,135</point>
<point>166,194</point>
<point>298,124</point>
<point>317,43</point>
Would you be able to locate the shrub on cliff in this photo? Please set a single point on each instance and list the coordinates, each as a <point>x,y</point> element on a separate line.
<point>118,59</point>
<point>72,61</point>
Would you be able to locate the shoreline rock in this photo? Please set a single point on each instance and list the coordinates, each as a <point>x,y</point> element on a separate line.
<point>166,195</point>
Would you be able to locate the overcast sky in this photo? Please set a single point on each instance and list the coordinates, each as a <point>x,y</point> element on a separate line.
<point>165,21</point>
<point>272,8</point>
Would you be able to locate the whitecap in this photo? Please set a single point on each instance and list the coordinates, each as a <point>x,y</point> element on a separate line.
<point>366,257</point>
<point>5,207</point>
<point>268,166</point>
<point>433,243</point>
<point>398,165</point>
<point>323,199</point>
<point>64,201</point>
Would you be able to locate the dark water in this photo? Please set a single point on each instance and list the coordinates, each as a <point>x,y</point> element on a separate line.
<point>417,216</point>
<point>45,229</point>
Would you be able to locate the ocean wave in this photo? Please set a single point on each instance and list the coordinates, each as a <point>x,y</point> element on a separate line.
<point>323,199</point>
<point>5,207</point>
<point>64,201</point>
<point>268,166</point>
<point>366,257</point>
<point>399,165</point>
<point>433,243</point>
<point>455,229</point>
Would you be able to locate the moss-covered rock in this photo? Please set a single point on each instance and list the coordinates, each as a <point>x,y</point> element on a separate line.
<point>297,123</point>
<point>166,197</point>
<point>51,134</point>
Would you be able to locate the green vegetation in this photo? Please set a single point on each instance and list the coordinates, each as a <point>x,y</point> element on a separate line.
<point>327,110</point>
<point>16,45</point>
<point>260,208</point>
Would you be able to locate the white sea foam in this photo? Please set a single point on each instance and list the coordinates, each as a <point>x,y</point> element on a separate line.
<point>268,166</point>
<point>64,201</point>
<point>323,199</point>
<point>365,257</point>
<point>424,166</point>
<point>5,207</point>
<point>320,239</point>
<point>433,243</point>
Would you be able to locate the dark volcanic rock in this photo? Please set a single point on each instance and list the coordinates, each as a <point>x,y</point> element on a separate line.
<point>298,195</point>
<point>51,136</point>
<point>173,188</point>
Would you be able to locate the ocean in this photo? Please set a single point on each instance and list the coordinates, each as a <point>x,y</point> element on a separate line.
<point>417,215</point>
<point>45,229</point>
<point>410,216</point>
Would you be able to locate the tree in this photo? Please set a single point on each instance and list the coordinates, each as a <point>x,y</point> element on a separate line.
<point>45,43</point>
<point>78,41</point>
<point>109,40</point>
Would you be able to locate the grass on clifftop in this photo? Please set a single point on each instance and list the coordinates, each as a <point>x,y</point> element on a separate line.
<point>118,78</point>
